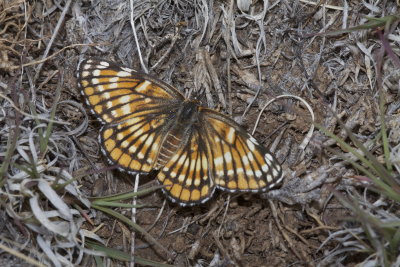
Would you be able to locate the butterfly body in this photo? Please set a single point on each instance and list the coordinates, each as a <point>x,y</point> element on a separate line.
<point>149,125</point>
<point>182,121</point>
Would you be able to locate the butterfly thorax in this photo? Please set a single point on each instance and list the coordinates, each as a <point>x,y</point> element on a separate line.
<point>181,126</point>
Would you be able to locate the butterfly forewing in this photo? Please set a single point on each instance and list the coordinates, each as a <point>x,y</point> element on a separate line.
<point>117,93</point>
<point>133,106</point>
<point>239,162</point>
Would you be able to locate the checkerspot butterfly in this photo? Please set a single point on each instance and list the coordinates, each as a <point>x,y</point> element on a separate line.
<point>149,125</point>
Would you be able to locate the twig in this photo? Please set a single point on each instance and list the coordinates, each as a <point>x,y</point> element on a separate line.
<point>53,55</point>
<point>53,37</point>
<point>324,5</point>
<point>306,139</point>
<point>133,233</point>
<point>29,115</point>
<point>21,256</point>
<point>136,39</point>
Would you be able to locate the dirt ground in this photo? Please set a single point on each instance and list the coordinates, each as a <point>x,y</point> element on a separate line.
<point>233,56</point>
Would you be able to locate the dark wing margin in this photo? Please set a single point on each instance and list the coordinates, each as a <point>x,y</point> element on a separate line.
<point>238,161</point>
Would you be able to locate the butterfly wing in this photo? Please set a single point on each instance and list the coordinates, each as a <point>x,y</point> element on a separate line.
<point>186,176</point>
<point>134,108</point>
<point>116,93</point>
<point>238,161</point>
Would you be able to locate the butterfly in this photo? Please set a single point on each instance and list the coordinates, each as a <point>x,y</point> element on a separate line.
<point>149,125</point>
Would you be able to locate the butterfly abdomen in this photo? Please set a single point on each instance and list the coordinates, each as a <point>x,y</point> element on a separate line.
<point>169,147</point>
<point>181,126</point>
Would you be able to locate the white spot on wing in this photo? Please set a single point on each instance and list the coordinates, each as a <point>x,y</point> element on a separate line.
<point>250,156</point>
<point>268,158</point>
<point>132,149</point>
<point>126,109</point>
<point>96,73</point>
<point>113,85</point>
<point>228,156</point>
<point>231,135</point>
<point>275,172</point>
<point>250,144</point>
<point>125,144</point>
<point>123,74</point>
<point>143,86</point>
<point>253,140</point>
<point>219,161</point>
<point>278,167</point>
<point>128,69</point>
<point>258,173</point>
<point>95,81</point>
<point>125,99</point>
<point>85,73</point>
<point>245,160</point>
<point>265,168</point>
<point>149,141</point>
<point>104,63</point>
<point>249,172</point>
<point>114,79</point>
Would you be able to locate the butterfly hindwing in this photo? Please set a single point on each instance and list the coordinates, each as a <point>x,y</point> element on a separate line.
<point>239,162</point>
<point>186,175</point>
<point>133,144</point>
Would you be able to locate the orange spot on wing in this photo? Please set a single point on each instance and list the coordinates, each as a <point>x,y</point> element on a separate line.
<point>195,195</point>
<point>205,191</point>
<point>109,144</point>
<point>176,190</point>
<point>116,153</point>
<point>185,195</point>
<point>94,100</point>
<point>232,185</point>
<point>125,160</point>
<point>242,184</point>
<point>253,184</point>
